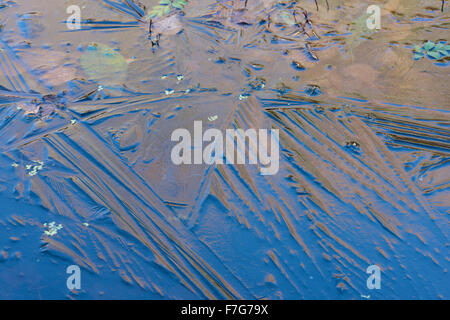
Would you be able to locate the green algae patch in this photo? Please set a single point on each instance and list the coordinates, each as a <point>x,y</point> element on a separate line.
<point>432,50</point>
<point>101,62</point>
<point>165,7</point>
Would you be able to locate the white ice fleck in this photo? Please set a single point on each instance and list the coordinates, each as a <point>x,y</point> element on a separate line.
<point>33,169</point>
<point>53,228</point>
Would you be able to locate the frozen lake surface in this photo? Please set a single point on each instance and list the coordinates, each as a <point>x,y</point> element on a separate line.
<point>87,179</point>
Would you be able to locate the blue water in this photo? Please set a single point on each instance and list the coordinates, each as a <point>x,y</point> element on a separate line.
<point>85,143</point>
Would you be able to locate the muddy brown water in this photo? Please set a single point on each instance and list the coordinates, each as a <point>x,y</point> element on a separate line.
<point>86,118</point>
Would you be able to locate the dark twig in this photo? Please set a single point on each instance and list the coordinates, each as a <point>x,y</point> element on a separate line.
<point>305,14</point>
<point>156,41</point>
<point>442,8</point>
<point>317,6</point>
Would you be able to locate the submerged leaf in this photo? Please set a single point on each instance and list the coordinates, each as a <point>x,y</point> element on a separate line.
<point>434,54</point>
<point>418,49</point>
<point>432,50</point>
<point>178,5</point>
<point>438,47</point>
<point>157,11</point>
<point>166,10</point>
<point>428,46</point>
<point>100,61</point>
